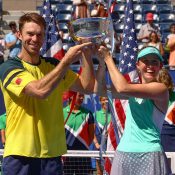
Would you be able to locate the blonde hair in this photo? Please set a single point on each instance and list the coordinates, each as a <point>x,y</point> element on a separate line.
<point>164,77</point>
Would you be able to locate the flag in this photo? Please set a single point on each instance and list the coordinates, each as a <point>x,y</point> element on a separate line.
<point>52,46</point>
<point>112,7</point>
<point>170,114</point>
<point>77,134</point>
<point>127,66</point>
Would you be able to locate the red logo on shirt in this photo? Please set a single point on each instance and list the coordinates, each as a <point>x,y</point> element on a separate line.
<point>18,81</point>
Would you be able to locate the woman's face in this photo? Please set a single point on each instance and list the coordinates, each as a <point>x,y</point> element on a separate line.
<point>154,37</point>
<point>173,29</point>
<point>149,69</point>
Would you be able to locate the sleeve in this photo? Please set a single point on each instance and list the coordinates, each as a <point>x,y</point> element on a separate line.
<point>158,31</point>
<point>2,121</point>
<point>1,124</point>
<point>140,34</point>
<point>68,80</point>
<point>16,80</point>
<point>8,39</point>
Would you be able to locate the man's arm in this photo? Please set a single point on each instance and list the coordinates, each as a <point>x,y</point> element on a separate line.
<point>43,87</point>
<point>141,34</point>
<point>3,136</point>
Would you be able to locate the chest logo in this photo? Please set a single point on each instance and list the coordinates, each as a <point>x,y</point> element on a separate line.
<point>18,81</point>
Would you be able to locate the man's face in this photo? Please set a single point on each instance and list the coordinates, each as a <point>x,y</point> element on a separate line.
<point>104,102</point>
<point>32,37</point>
<point>79,99</point>
<point>13,28</point>
<point>150,21</point>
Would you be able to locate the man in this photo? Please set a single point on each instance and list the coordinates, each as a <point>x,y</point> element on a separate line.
<point>12,42</point>
<point>2,127</point>
<point>2,48</point>
<point>147,28</point>
<point>32,87</point>
<point>79,126</point>
<point>103,119</point>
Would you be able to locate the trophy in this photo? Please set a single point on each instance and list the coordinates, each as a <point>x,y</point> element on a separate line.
<point>95,29</point>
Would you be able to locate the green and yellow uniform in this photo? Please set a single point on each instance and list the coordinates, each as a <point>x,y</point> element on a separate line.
<point>35,127</point>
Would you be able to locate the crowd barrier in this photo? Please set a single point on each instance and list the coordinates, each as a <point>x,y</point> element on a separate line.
<point>110,154</point>
<point>96,155</point>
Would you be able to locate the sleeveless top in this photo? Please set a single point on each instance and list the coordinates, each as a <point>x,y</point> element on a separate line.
<point>156,45</point>
<point>142,127</point>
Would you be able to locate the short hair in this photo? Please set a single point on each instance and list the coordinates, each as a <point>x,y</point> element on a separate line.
<point>31,17</point>
<point>12,23</point>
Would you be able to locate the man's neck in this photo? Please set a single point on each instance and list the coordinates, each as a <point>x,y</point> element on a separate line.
<point>32,59</point>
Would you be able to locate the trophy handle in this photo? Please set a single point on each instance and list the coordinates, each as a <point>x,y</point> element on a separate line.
<point>71,33</point>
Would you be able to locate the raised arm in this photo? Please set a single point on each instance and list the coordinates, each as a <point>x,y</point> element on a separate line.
<point>154,90</point>
<point>100,74</point>
<point>43,87</point>
<point>171,43</point>
<point>86,80</point>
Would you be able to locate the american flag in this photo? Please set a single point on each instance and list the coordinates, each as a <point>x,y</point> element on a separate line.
<point>170,114</point>
<point>52,46</point>
<point>127,66</point>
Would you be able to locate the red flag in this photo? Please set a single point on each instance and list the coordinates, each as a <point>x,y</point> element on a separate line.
<point>111,9</point>
<point>170,114</point>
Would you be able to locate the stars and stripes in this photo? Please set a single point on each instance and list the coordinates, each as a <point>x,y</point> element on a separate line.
<point>52,46</point>
<point>127,66</point>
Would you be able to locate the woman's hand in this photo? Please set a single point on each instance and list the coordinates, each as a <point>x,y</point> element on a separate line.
<point>103,53</point>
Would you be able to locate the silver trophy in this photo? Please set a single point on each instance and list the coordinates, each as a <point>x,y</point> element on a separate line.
<point>96,29</point>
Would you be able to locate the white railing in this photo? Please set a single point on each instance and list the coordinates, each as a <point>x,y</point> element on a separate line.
<point>110,154</point>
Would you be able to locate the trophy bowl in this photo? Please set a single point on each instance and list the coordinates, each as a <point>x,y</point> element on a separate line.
<point>95,29</point>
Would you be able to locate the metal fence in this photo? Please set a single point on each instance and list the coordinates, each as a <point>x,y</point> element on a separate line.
<point>76,162</point>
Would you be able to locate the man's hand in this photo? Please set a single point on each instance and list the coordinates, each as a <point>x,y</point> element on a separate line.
<point>74,53</point>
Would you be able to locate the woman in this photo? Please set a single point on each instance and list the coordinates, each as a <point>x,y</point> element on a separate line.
<point>139,151</point>
<point>168,129</point>
<point>155,42</point>
<point>171,45</point>
<point>81,9</point>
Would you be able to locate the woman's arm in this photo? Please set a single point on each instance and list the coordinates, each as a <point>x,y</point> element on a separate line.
<point>86,80</point>
<point>171,43</point>
<point>161,49</point>
<point>154,90</point>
